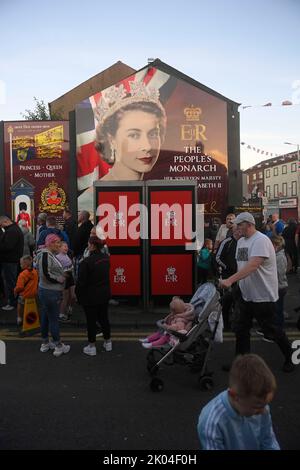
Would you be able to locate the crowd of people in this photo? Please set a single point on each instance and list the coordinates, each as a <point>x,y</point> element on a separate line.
<point>61,264</point>
<point>252,268</point>
<point>71,262</point>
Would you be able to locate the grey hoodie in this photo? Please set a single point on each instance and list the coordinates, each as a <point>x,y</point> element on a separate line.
<point>281,263</point>
<point>51,272</point>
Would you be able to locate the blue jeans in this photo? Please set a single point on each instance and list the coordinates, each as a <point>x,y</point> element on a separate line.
<point>50,302</point>
<point>10,274</point>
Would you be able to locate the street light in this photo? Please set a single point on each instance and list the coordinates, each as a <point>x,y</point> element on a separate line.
<point>298,174</point>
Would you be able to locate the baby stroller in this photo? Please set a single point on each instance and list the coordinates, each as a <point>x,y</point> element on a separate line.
<point>193,348</point>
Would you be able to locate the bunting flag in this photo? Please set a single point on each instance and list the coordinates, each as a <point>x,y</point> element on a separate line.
<point>284,103</point>
<point>264,152</point>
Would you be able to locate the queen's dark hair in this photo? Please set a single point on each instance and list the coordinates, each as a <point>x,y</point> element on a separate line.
<point>111,124</point>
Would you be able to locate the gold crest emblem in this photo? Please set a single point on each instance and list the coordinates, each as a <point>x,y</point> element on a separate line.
<point>53,198</point>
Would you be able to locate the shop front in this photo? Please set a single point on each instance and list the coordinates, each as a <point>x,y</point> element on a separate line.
<point>288,208</point>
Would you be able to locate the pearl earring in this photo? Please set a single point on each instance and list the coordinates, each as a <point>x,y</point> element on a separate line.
<point>112,154</point>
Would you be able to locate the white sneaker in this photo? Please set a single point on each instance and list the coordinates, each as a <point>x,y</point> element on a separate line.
<point>143,340</point>
<point>46,346</point>
<point>63,318</point>
<point>113,302</point>
<point>107,345</point>
<point>259,332</point>
<point>61,349</point>
<point>99,331</point>
<point>8,307</point>
<point>90,350</point>
<point>147,345</point>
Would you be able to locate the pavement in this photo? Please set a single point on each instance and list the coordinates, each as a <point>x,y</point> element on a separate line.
<point>131,315</point>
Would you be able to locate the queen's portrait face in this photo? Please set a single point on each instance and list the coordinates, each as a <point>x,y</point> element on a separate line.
<point>136,144</point>
<point>130,131</point>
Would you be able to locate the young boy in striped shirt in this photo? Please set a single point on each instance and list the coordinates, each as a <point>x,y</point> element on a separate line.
<point>239,418</point>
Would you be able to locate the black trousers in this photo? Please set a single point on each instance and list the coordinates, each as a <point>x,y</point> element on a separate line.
<point>227,305</point>
<point>202,275</point>
<point>265,315</point>
<point>97,313</point>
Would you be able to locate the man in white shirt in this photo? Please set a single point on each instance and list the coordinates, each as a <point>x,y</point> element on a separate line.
<point>258,284</point>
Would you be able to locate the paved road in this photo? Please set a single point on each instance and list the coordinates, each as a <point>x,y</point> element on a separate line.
<point>105,403</point>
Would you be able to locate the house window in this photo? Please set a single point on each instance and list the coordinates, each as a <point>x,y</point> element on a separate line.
<point>247,179</point>
<point>284,189</point>
<point>254,176</point>
<point>275,171</point>
<point>284,169</point>
<point>260,175</point>
<point>268,189</point>
<point>293,167</point>
<point>275,190</point>
<point>268,174</point>
<point>294,188</point>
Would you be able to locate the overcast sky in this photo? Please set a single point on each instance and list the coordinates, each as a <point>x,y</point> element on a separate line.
<point>246,50</point>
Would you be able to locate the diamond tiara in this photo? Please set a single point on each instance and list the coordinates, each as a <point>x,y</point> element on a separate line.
<point>117,97</point>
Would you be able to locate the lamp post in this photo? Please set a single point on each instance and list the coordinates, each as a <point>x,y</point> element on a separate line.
<point>298,175</point>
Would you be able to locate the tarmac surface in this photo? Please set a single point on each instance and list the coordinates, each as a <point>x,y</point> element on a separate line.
<point>105,402</point>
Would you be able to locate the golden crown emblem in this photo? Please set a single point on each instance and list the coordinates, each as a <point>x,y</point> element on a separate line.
<point>53,186</point>
<point>192,114</point>
<point>117,96</point>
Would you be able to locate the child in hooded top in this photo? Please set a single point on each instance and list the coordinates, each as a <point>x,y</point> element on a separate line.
<point>180,319</point>
<point>281,264</point>
<point>69,290</point>
<point>27,285</point>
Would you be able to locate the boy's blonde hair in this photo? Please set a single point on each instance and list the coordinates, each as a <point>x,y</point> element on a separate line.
<point>278,241</point>
<point>251,377</point>
<point>27,258</point>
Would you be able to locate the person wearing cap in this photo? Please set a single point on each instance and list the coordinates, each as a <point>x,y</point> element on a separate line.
<point>93,293</point>
<point>51,229</point>
<point>258,285</point>
<point>51,285</point>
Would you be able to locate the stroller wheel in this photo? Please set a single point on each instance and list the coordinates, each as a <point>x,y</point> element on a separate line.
<point>206,382</point>
<point>156,385</point>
